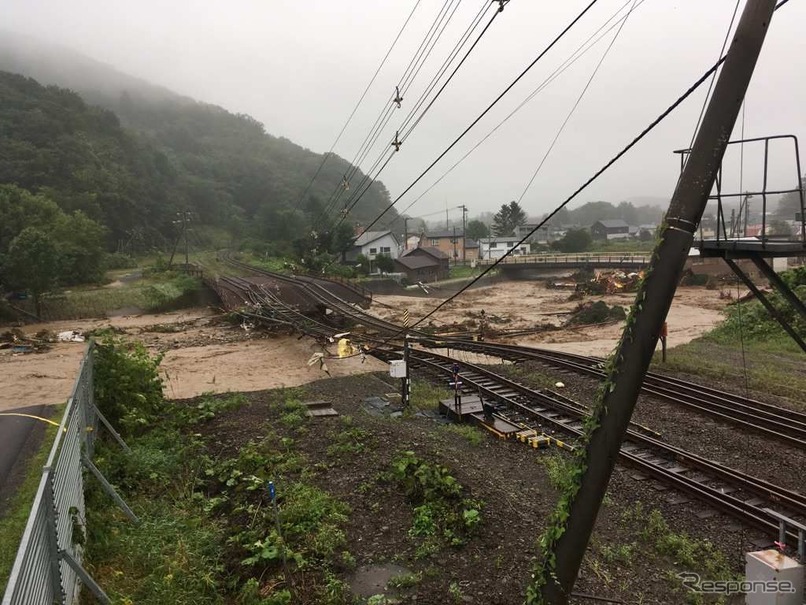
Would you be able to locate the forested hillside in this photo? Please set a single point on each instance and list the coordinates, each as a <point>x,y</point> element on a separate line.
<point>130,155</point>
<point>79,157</point>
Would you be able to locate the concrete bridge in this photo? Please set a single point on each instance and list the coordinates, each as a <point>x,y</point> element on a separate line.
<point>520,265</point>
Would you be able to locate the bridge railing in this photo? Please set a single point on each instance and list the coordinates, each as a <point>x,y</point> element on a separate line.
<point>612,259</point>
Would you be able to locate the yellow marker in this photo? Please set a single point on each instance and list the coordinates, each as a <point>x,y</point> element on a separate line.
<point>30,416</point>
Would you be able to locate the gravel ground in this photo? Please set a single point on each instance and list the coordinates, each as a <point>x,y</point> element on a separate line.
<point>511,479</point>
<point>727,444</point>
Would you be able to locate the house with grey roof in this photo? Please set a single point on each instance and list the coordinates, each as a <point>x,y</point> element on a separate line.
<point>424,264</point>
<point>610,229</point>
<point>373,243</point>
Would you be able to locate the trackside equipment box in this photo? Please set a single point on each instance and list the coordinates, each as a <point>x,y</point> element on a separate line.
<point>773,579</point>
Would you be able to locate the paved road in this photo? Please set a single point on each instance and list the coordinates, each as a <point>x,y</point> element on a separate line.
<point>19,440</point>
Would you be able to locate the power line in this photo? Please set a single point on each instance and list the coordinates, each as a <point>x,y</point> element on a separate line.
<point>458,47</point>
<point>581,50</point>
<point>420,55</point>
<point>584,186</point>
<point>445,64</point>
<point>483,113</point>
<point>713,78</point>
<point>360,100</point>
<point>580,189</point>
<point>576,104</point>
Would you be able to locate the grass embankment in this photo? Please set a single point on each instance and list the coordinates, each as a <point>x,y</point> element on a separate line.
<point>12,523</point>
<point>155,293</point>
<point>750,339</point>
<point>209,532</point>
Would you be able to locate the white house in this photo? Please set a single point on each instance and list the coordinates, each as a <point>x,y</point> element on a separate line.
<point>373,243</point>
<point>496,247</point>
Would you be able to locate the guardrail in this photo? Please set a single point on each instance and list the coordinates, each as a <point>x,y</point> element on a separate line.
<point>48,566</point>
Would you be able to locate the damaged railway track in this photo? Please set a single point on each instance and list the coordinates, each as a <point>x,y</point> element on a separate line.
<point>774,422</point>
<point>736,494</point>
<point>730,491</point>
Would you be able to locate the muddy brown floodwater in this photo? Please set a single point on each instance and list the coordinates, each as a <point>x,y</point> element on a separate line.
<point>202,353</point>
<point>521,305</point>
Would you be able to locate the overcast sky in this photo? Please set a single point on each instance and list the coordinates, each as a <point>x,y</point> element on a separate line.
<point>299,66</point>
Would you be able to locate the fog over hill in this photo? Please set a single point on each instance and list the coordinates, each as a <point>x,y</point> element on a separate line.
<point>223,166</point>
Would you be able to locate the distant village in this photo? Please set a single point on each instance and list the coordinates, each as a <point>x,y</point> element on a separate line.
<point>428,255</point>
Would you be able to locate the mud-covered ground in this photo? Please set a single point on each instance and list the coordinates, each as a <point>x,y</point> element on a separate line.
<point>527,305</point>
<point>204,352</point>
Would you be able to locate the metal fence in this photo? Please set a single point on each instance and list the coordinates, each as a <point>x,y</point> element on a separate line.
<point>48,566</point>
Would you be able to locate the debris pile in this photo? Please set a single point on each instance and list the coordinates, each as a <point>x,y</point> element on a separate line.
<point>17,342</point>
<point>610,282</point>
<point>598,312</point>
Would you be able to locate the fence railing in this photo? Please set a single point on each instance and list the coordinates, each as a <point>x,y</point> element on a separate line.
<point>48,566</point>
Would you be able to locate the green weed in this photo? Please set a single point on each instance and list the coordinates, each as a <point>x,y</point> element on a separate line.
<point>622,554</point>
<point>455,591</point>
<point>425,396</point>
<point>351,440</point>
<point>685,552</point>
<point>469,432</point>
<point>211,406</point>
<point>558,468</point>
<point>442,514</point>
<point>404,581</point>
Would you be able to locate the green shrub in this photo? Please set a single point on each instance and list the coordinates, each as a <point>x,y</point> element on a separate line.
<point>128,387</point>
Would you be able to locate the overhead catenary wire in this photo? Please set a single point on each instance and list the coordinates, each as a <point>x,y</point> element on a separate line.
<point>485,112</point>
<point>576,104</point>
<point>713,78</point>
<point>358,104</point>
<point>712,70</point>
<point>386,112</point>
<point>581,50</point>
<point>357,197</point>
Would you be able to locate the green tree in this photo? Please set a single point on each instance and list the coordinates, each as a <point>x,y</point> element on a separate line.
<point>508,218</point>
<point>575,240</point>
<point>19,209</point>
<point>778,227</point>
<point>32,264</point>
<point>789,204</point>
<point>80,241</point>
<point>363,264</point>
<point>385,263</point>
<point>476,230</point>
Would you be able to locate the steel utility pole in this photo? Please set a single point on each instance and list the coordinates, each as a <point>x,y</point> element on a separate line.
<point>653,300</point>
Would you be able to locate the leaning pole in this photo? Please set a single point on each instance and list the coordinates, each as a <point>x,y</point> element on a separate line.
<point>567,541</point>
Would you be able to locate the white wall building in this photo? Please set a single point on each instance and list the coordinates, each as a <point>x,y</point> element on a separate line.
<point>373,243</point>
<point>496,247</point>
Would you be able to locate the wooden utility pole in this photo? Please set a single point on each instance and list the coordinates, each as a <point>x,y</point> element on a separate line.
<point>612,414</point>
